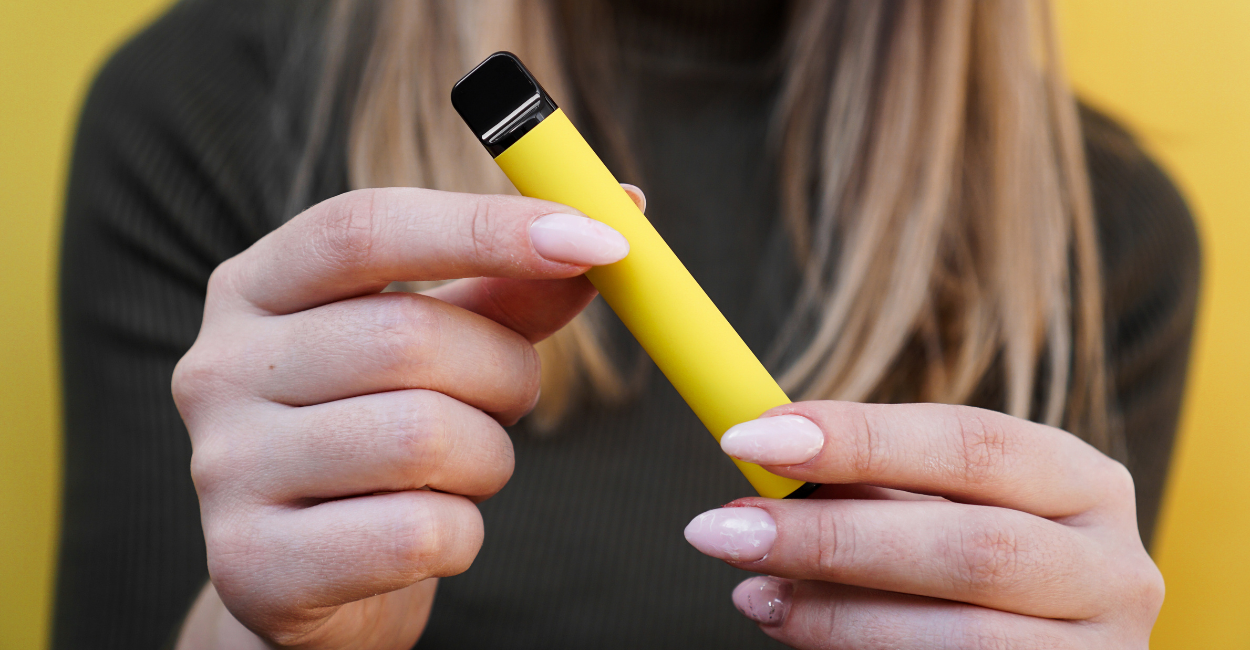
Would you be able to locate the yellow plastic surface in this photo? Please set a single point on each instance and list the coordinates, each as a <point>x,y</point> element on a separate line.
<point>651,290</point>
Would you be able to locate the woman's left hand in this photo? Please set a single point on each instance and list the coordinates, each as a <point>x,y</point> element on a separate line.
<point>1027,537</point>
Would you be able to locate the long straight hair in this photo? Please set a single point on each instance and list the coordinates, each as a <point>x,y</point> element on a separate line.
<point>932,179</point>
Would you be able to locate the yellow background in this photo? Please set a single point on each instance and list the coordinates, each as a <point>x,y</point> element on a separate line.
<point>1177,73</point>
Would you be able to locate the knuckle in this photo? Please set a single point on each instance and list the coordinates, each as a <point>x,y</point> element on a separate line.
<point>1147,588</point>
<point>506,464</point>
<point>405,330</point>
<point>235,554</point>
<point>222,280</point>
<point>420,544</point>
<point>982,443</point>
<point>186,382</point>
<point>422,432</point>
<point>985,629</point>
<point>835,544</point>
<point>437,540</point>
<point>225,546</point>
<point>865,454</point>
<point>1118,482</point>
<point>991,558</point>
<point>481,228</point>
<point>1154,591</point>
<point>196,377</point>
<point>981,632</point>
<point>530,376</point>
<point>827,619</point>
<point>208,466</point>
<point>242,572</point>
<point>345,231</point>
<point>516,380</point>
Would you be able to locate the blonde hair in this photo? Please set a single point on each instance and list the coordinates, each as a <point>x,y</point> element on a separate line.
<point>932,180</point>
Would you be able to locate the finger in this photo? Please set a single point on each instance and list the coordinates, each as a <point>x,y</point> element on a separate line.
<point>341,551</point>
<point>395,341</point>
<point>958,452</point>
<point>535,309</point>
<point>359,242</point>
<point>992,557</point>
<point>866,492</point>
<point>635,194</point>
<point>818,616</point>
<point>386,442</point>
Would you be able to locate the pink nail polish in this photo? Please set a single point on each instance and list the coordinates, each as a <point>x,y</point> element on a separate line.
<point>764,599</point>
<point>572,239</point>
<point>780,440</point>
<point>739,534</point>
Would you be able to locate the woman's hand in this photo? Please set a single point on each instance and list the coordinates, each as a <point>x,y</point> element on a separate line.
<point>342,435</point>
<point>1029,539</point>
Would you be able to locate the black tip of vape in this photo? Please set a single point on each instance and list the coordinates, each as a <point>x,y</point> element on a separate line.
<point>492,90</point>
<point>804,491</point>
<point>500,101</point>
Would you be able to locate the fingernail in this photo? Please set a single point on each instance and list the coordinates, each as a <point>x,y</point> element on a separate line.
<point>572,239</point>
<point>739,534</point>
<point>636,191</point>
<point>764,599</point>
<point>780,440</point>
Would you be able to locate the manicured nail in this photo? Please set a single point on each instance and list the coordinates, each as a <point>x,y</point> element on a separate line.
<point>638,196</point>
<point>572,239</point>
<point>740,534</point>
<point>764,599</point>
<point>780,440</point>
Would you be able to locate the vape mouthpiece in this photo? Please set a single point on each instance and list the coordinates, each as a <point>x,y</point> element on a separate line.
<point>501,101</point>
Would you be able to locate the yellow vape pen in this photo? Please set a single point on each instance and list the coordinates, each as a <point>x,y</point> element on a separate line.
<point>650,290</point>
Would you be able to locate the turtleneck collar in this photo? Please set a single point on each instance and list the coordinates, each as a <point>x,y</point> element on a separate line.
<point>711,33</point>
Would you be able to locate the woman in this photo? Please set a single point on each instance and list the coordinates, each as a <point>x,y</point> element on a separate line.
<point>949,230</point>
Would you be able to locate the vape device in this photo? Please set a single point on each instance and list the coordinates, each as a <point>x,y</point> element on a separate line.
<point>650,290</point>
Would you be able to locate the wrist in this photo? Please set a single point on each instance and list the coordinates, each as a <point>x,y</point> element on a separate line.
<point>210,626</point>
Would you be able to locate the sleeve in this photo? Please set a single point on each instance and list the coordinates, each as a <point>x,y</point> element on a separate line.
<point>1151,267</point>
<point>178,165</point>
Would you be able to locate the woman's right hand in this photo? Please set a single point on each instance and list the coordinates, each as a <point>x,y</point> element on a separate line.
<point>342,435</point>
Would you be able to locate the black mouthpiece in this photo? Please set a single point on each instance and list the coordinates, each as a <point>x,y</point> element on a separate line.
<point>500,101</point>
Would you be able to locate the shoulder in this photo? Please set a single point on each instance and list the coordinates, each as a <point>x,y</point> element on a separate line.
<point>204,96</point>
<point>1151,264</point>
<point>207,52</point>
<point>200,46</point>
<point>1140,212</point>
<point>1150,248</point>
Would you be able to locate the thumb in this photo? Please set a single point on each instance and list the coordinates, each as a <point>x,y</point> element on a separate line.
<point>636,194</point>
<point>534,309</point>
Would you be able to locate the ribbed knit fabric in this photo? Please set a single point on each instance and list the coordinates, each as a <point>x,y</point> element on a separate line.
<point>187,147</point>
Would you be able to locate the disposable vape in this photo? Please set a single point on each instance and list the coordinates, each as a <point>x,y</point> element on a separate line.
<point>650,290</point>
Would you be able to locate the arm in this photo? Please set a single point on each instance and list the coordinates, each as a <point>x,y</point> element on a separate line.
<point>210,626</point>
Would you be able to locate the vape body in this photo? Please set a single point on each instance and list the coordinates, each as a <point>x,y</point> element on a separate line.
<point>650,290</point>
